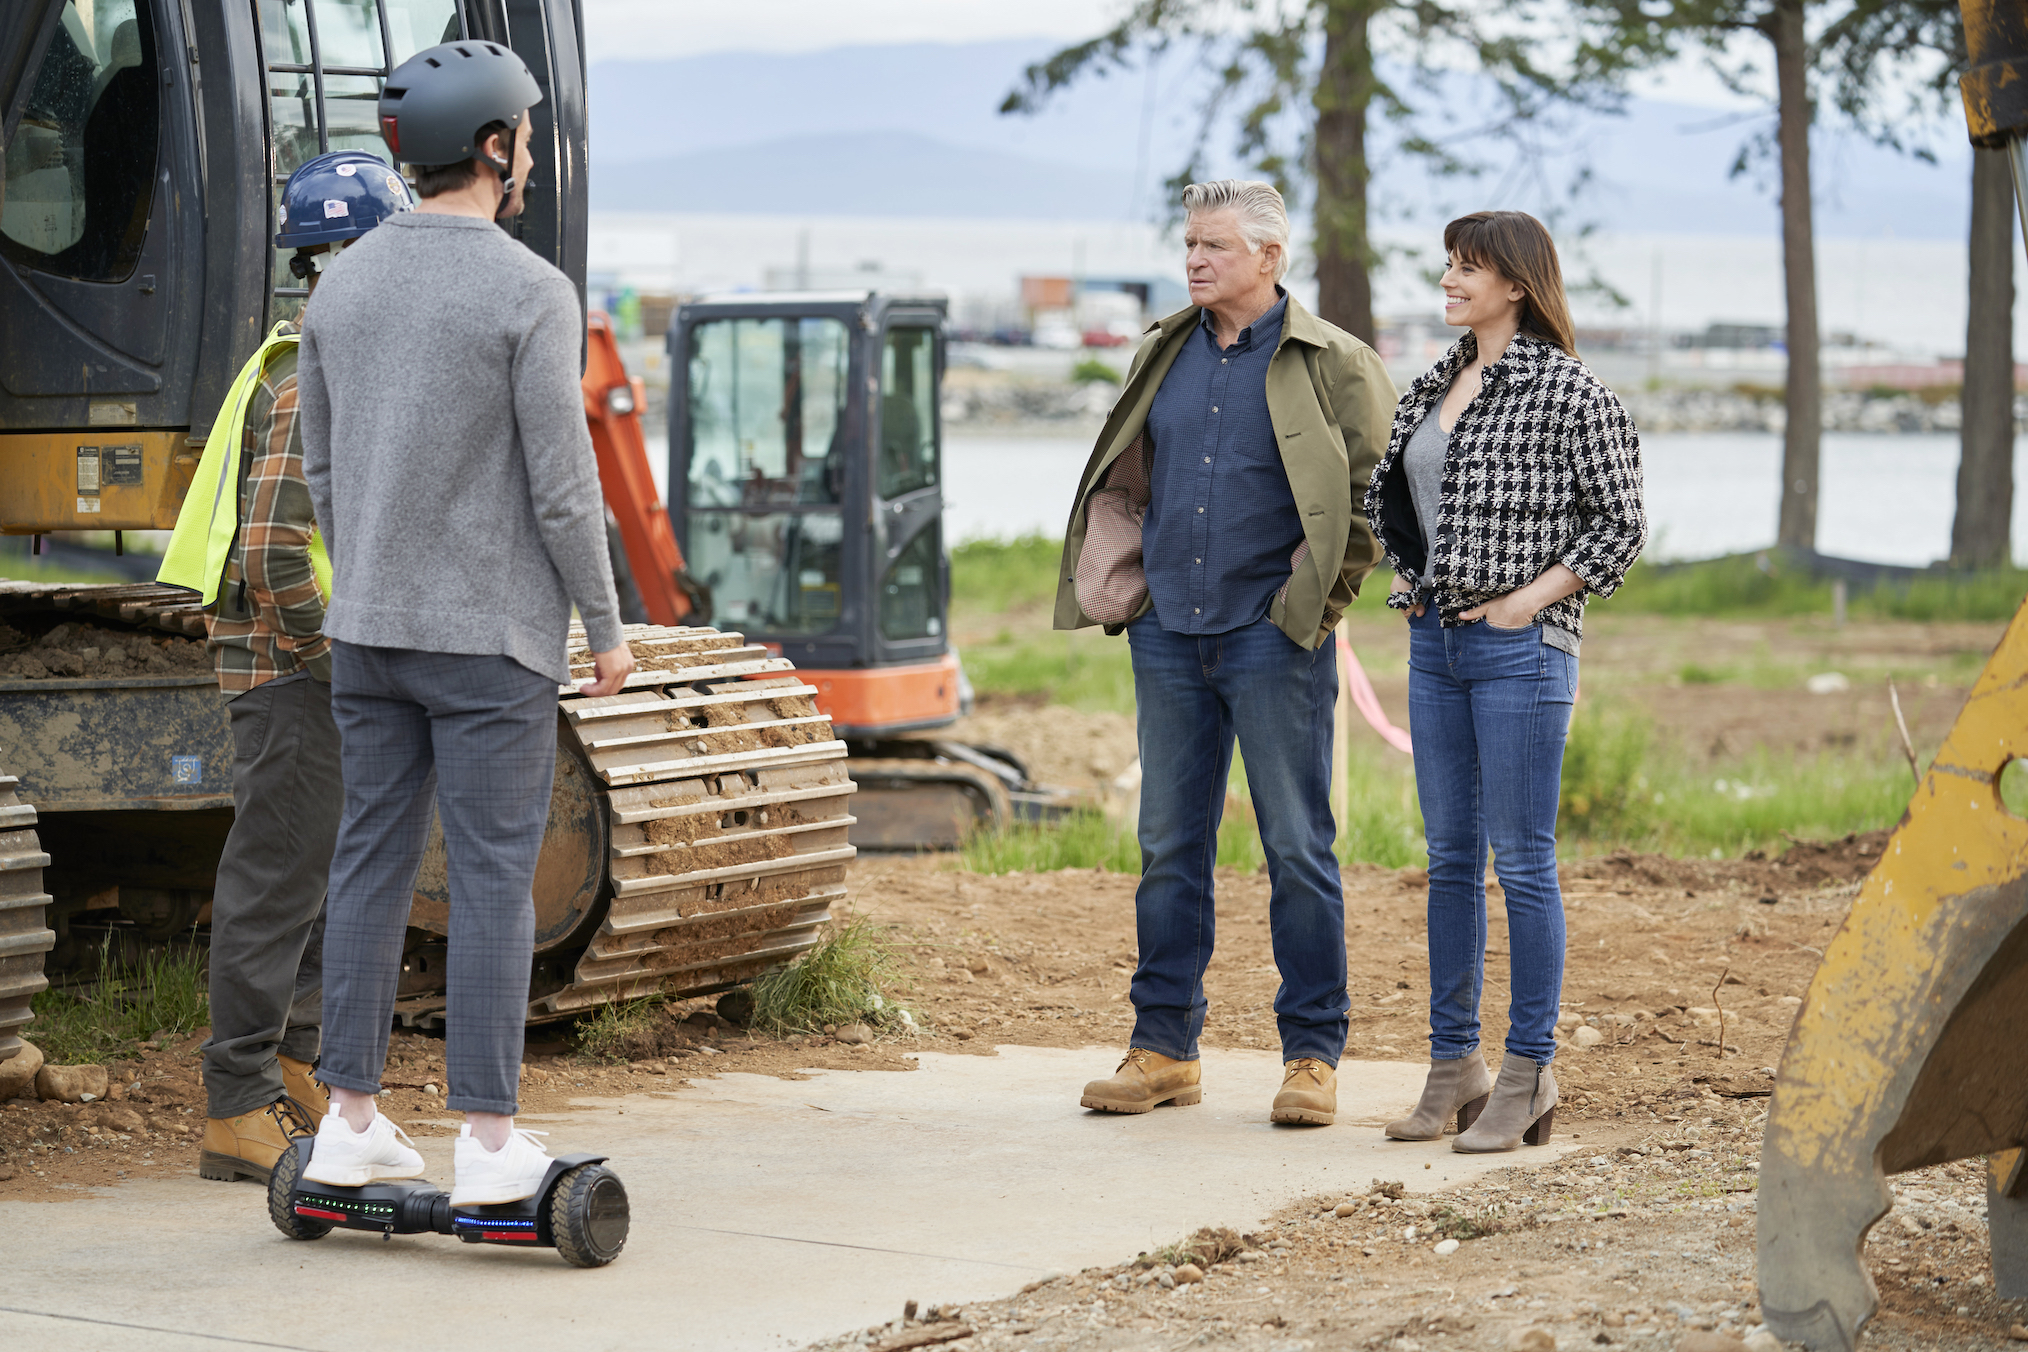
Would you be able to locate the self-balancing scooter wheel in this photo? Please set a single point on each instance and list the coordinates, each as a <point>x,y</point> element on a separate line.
<point>281,1202</point>
<point>588,1216</point>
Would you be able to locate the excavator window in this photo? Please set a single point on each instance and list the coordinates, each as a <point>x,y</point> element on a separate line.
<point>80,167</point>
<point>769,572</point>
<point>767,406</point>
<point>326,61</point>
<point>909,593</point>
<point>908,425</point>
<point>766,413</point>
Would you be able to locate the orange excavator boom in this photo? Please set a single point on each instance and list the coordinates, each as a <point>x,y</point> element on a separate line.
<point>612,408</point>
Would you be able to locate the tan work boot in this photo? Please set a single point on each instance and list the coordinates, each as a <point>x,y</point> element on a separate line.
<point>1145,1080</point>
<point>247,1146</point>
<point>1309,1093</point>
<point>298,1084</point>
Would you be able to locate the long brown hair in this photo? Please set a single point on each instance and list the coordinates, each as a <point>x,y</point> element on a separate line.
<point>1518,247</point>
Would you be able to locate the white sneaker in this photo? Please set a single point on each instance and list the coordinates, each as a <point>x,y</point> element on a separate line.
<point>488,1177</point>
<point>344,1158</point>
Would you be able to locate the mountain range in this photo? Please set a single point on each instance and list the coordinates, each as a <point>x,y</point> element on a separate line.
<point>913,130</point>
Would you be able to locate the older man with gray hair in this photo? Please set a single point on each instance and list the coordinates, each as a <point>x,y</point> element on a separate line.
<point>1243,442</point>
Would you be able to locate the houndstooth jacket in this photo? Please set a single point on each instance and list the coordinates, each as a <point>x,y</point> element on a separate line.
<point>1544,467</point>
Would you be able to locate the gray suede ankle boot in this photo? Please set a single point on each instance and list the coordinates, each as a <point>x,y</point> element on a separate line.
<point>1522,1110</point>
<point>1458,1086</point>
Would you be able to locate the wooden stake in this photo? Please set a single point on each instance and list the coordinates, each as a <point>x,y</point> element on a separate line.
<point>1721,1010</point>
<point>1907,746</point>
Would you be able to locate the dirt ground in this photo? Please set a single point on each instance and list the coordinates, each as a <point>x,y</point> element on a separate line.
<point>1645,1234</point>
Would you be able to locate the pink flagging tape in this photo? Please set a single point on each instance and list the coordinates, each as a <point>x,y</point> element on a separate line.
<point>1366,701</point>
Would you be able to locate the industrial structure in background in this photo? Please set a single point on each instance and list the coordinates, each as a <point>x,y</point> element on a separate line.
<point>1909,1048</point>
<point>697,833</point>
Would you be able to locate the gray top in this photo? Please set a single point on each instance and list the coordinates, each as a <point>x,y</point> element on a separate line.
<point>445,445</point>
<point>1422,460</point>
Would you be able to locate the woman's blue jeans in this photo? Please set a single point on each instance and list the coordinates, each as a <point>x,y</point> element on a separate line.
<point>1489,709</point>
<point>1194,693</point>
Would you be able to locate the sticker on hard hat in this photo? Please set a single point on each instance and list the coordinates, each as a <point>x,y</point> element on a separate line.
<point>347,170</point>
<point>394,184</point>
<point>333,207</point>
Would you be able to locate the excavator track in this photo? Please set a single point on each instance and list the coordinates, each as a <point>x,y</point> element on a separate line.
<point>24,938</point>
<point>696,836</point>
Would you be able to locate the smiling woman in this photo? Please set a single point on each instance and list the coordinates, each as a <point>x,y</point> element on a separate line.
<point>1511,490</point>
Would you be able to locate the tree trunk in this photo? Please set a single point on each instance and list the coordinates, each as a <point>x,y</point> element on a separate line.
<point>1801,440</point>
<point>1980,535</point>
<point>1344,89</point>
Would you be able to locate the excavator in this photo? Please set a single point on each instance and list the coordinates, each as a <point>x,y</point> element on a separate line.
<point>698,832</point>
<point>805,470</point>
<point>1911,1045</point>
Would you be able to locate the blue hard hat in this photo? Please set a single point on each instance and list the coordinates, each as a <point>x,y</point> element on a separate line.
<point>339,196</point>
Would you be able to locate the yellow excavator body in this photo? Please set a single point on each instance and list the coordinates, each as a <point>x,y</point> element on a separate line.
<point>1911,1047</point>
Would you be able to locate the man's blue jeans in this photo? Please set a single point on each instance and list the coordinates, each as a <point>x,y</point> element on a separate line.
<point>1193,694</point>
<point>1490,709</point>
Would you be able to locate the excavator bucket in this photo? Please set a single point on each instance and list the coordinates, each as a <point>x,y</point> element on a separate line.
<point>1911,1047</point>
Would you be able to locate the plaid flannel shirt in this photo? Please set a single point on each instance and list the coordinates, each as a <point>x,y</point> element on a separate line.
<point>269,617</point>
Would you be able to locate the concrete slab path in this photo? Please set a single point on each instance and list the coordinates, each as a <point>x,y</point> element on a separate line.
<point>766,1213</point>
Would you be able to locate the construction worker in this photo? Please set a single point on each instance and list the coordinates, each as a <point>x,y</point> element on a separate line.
<point>445,443</point>
<point>254,557</point>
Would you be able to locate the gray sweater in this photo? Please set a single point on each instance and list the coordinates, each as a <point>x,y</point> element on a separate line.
<point>445,445</point>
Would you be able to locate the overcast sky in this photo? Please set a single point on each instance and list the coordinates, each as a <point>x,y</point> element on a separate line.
<point>645,29</point>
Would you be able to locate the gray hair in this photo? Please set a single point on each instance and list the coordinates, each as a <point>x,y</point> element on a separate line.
<point>1263,216</point>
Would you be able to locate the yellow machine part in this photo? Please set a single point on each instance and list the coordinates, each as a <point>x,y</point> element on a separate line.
<point>1911,1047</point>
<point>103,479</point>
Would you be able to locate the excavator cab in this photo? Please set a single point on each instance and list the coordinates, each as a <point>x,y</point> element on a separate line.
<point>806,480</point>
<point>145,144</point>
<point>806,475</point>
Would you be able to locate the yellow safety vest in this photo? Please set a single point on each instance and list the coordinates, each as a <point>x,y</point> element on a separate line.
<point>209,520</point>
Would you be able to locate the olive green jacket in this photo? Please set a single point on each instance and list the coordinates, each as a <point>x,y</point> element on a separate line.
<point>1332,406</point>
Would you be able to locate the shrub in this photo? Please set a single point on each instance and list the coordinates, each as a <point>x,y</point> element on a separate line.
<point>845,979</point>
<point>123,1004</point>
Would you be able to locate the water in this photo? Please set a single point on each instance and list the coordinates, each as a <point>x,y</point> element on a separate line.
<point>1887,498</point>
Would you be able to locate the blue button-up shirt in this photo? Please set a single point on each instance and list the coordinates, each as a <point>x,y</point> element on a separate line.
<point>1221,520</point>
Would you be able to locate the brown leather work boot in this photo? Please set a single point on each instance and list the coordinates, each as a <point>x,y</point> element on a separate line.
<point>247,1146</point>
<point>297,1083</point>
<point>1145,1080</point>
<point>1309,1093</point>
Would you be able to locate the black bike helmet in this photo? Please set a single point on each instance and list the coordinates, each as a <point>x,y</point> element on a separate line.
<point>435,102</point>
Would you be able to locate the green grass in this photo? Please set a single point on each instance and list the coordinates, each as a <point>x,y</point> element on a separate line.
<point>993,576</point>
<point>1082,840</point>
<point>997,575</point>
<point>1621,787</point>
<point>121,1006</point>
<point>1090,369</point>
<point>849,978</point>
<point>1382,826</point>
<point>604,1033</point>
<point>1764,585</point>
<point>1085,669</point>
<point>1620,790</point>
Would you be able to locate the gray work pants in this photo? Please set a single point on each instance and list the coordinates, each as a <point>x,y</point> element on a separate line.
<point>267,911</point>
<point>474,740</point>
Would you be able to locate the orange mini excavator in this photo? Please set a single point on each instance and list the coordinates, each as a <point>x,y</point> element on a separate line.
<point>804,450</point>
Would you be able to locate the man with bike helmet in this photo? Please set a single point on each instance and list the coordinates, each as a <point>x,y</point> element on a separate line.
<point>446,447</point>
<point>246,543</point>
